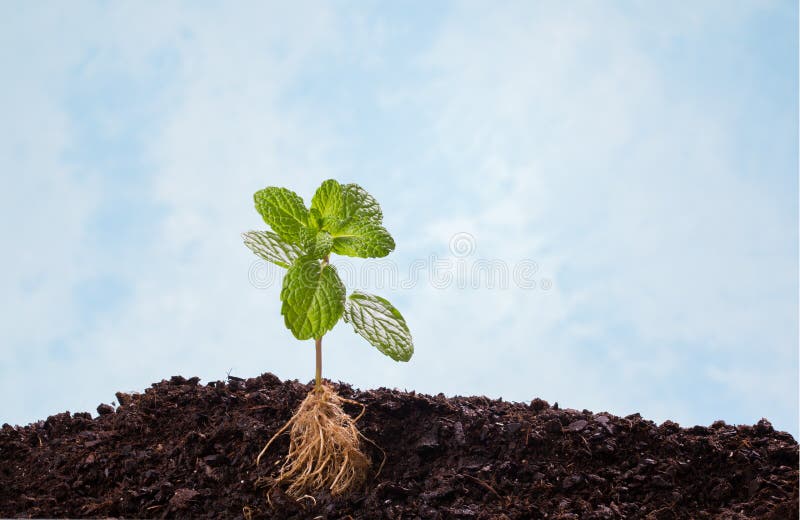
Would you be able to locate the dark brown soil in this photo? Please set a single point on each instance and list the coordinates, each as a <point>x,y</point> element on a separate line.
<point>184,450</point>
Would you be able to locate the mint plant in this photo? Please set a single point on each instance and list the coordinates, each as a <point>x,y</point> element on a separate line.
<point>345,220</point>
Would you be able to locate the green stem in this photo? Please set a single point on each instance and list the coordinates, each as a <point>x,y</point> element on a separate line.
<point>318,345</point>
<point>318,384</point>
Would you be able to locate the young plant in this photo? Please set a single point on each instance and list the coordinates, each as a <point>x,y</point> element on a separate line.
<point>324,446</point>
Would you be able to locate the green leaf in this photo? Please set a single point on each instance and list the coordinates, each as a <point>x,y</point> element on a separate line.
<point>353,218</point>
<point>284,211</point>
<point>362,238</point>
<point>315,219</point>
<point>319,244</point>
<point>271,247</point>
<point>313,298</point>
<point>381,324</point>
<point>328,200</point>
<point>360,205</point>
<point>339,205</point>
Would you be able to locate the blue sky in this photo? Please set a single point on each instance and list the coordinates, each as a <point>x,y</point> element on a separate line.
<point>643,155</point>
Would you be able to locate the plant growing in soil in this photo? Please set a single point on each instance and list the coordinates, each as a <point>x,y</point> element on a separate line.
<point>324,446</point>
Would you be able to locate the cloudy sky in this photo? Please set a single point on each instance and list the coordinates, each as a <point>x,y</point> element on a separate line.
<point>594,203</point>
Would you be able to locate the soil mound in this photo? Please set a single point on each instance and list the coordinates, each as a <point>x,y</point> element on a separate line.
<point>185,450</point>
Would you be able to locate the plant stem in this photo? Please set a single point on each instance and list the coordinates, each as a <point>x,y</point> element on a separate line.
<point>318,384</point>
<point>318,343</point>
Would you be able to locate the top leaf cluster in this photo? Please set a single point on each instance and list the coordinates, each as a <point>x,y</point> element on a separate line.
<point>343,219</point>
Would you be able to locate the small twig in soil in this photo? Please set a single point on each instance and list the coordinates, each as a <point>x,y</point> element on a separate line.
<point>483,484</point>
<point>588,449</point>
<point>233,378</point>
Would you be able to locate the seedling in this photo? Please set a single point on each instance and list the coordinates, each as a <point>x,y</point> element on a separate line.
<point>324,445</point>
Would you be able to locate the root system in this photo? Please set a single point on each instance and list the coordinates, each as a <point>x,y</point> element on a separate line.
<point>324,447</point>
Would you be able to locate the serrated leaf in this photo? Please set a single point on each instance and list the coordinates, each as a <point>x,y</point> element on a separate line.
<point>328,200</point>
<point>362,238</point>
<point>284,211</point>
<point>319,245</point>
<point>353,218</point>
<point>360,205</point>
<point>376,320</point>
<point>339,205</point>
<point>271,247</point>
<point>313,298</point>
<point>315,219</point>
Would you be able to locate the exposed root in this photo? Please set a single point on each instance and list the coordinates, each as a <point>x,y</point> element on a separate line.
<point>324,447</point>
<point>247,513</point>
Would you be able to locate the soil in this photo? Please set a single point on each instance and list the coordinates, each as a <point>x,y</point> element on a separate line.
<point>186,450</point>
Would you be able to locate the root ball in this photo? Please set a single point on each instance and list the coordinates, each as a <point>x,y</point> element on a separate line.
<point>324,447</point>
